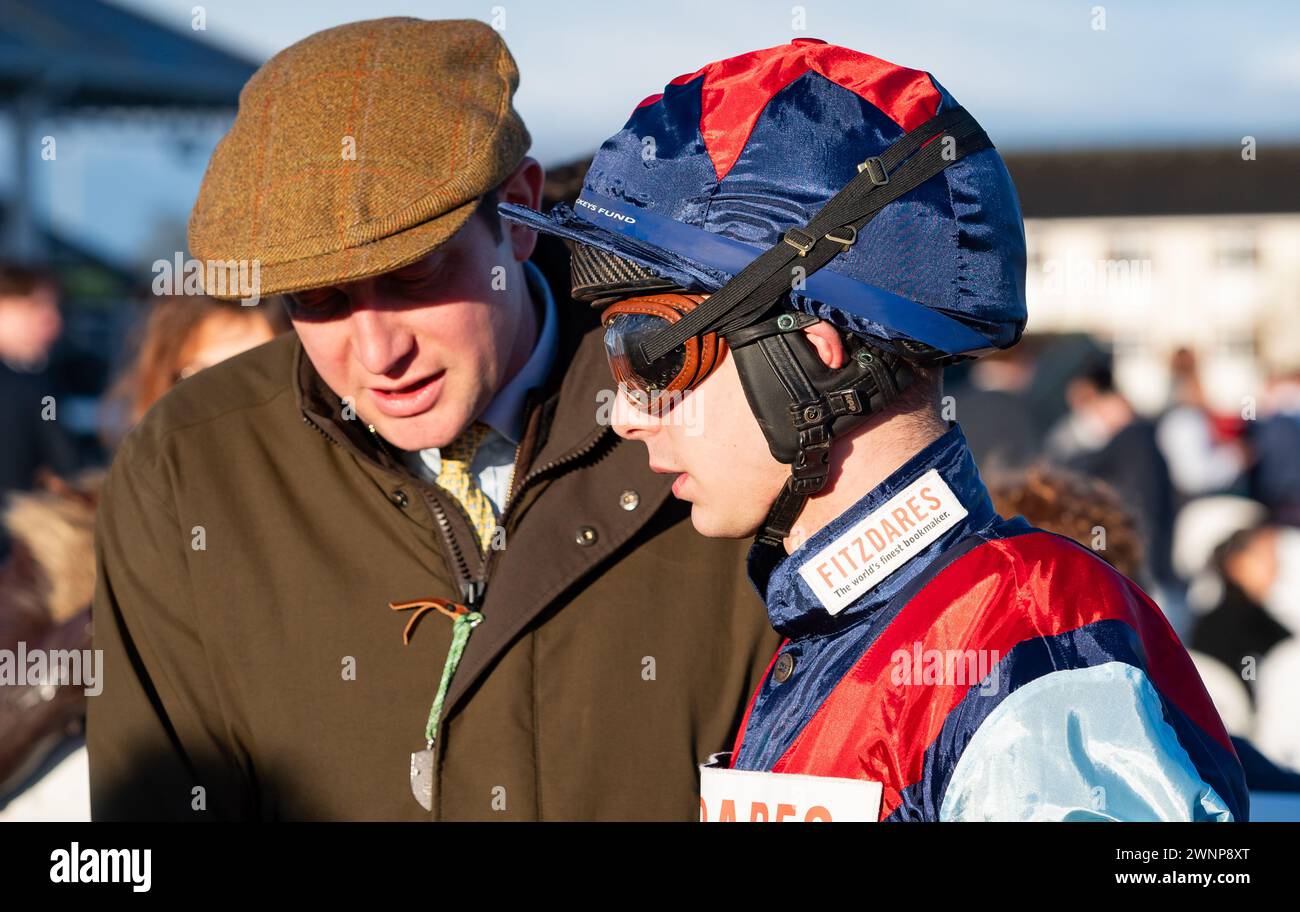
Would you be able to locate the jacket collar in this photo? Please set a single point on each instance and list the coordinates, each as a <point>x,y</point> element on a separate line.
<point>792,606</point>
<point>322,409</point>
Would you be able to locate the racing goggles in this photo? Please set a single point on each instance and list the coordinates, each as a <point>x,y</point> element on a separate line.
<point>654,386</point>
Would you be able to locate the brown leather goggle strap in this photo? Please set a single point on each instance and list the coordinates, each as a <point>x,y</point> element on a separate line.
<point>702,353</point>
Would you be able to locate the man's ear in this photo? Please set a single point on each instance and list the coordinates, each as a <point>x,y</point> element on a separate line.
<point>826,339</point>
<point>524,187</point>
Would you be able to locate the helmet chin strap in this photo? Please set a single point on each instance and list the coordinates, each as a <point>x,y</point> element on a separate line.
<point>802,404</point>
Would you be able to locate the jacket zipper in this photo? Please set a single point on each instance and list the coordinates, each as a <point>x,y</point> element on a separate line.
<point>471,591</point>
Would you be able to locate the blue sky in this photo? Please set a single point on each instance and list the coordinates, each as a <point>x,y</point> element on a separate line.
<point>1036,74</point>
<point>1033,71</point>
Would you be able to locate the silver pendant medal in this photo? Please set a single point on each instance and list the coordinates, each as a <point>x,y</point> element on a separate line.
<point>422,777</point>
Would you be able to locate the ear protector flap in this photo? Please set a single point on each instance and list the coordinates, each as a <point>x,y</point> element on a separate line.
<point>790,389</point>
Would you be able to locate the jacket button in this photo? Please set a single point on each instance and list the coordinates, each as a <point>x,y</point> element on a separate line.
<point>628,500</point>
<point>586,536</point>
<point>784,668</point>
<point>400,498</point>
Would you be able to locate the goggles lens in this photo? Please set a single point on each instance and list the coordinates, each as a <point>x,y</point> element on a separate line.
<point>631,322</point>
<point>624,334</point>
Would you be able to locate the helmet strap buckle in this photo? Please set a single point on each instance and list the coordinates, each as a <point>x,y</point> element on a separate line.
<point>875,169</point>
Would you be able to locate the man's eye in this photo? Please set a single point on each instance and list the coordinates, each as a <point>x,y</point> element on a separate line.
<point>307,304</point>
<point>419,276</point>
<point>415,273</point>
<point>411,281</point>
<point>419,279</point>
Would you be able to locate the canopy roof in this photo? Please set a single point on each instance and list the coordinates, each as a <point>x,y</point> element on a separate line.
<point>78,53</point>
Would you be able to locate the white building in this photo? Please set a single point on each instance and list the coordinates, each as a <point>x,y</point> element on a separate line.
<point>1154,250</point>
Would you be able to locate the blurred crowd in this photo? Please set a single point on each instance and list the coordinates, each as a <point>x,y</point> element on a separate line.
<point>49,487</point>
<point>1200,508</point>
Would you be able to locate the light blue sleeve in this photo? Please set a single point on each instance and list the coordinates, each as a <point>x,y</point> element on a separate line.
<point>1079,744</point>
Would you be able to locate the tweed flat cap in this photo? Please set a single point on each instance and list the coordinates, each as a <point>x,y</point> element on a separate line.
<point>358,150</point>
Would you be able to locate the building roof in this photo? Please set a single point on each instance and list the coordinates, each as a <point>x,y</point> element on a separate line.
<point>1133,182</point>
<point>74,53</point>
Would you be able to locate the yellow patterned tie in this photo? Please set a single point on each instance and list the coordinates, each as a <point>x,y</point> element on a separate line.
<point>456,479</point>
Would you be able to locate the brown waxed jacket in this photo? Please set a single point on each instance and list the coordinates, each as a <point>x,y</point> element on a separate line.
<point>250,539</point>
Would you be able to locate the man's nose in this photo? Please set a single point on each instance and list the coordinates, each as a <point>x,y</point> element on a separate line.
<point>630,422</point>
<point>380,338</point>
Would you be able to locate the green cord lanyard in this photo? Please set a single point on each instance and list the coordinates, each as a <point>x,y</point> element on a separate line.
<point>460,630</point>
